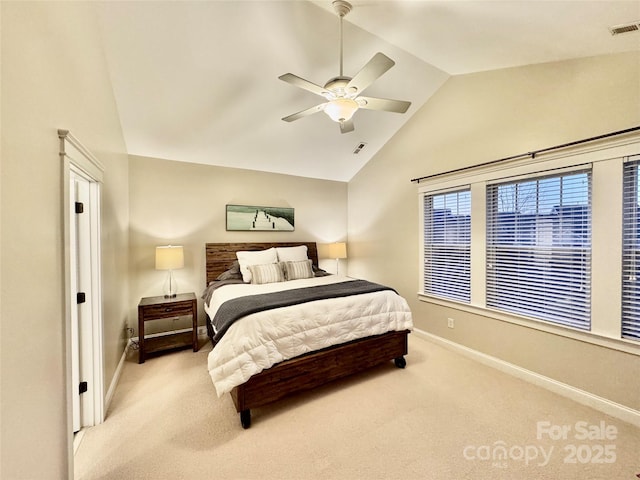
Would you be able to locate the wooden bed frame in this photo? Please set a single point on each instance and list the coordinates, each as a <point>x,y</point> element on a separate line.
<point>312,369</point>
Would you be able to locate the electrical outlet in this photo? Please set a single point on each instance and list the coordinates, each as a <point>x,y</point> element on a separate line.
<point>450,322</point>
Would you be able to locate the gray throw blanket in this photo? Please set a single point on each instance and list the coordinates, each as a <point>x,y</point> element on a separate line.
<point>236,308</point>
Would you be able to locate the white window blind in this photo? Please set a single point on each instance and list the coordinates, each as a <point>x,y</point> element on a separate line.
<point>447,245</point>
<point>539,248</point>
<point>631,251</point>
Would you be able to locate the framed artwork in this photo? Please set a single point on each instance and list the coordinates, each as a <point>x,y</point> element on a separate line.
<point>264,219</point>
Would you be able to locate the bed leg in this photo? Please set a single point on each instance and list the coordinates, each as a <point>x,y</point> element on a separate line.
<point>245,418</point>
<point>400,362</point>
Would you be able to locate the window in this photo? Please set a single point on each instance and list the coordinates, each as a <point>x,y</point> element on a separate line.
<point>539,248</point>
<point>552,242</point>
<point>447,245</point>
<point>631,251</point>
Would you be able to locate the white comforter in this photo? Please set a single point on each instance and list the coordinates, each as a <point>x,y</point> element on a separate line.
<point>260,340</point>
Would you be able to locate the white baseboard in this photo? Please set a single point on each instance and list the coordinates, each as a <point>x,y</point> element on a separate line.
<point>583,397</point>
<point>116,378</point>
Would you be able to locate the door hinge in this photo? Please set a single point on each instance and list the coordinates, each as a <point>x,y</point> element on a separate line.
<point>79,207</point>
<point>83,387</point>
<point>81,297</point>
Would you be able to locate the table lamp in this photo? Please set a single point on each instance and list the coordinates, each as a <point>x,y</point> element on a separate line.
<point>337,250</point>
<point>169,257</point>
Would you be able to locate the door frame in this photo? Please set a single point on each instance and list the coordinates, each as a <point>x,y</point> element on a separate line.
<point>75,157</point>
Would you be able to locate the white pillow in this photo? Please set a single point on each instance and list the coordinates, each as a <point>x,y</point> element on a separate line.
<point>260,257</point>
<point>292,254</point>
<point>267,273</point>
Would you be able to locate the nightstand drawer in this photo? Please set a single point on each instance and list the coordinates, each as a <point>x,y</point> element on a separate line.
<point>176,309</point>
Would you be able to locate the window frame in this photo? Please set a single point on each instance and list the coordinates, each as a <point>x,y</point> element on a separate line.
<point>448,249</point>
<point>630,297</point>
<point>606,159</point>
<point>525,239</point>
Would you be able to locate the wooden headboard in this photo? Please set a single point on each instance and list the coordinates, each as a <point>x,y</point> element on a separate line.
<point>220,256</point>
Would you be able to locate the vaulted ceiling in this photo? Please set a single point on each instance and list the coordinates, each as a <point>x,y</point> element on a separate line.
<point>198,81</point>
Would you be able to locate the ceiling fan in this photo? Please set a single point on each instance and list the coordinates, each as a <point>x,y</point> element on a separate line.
<point>343,93</point>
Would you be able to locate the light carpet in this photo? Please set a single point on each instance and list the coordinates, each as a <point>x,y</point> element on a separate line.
<point>443,417</point>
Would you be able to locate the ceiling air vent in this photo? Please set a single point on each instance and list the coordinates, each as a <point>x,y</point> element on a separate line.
<point>360,146</point>
<point>626,28</point>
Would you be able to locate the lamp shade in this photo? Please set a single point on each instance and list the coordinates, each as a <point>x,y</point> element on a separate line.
<point>169,257</point>
<point>338,250</point>
<point>341,109</point>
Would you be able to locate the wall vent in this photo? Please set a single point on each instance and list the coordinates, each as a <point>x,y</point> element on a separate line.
<point>360,146</point>
<point>626,28</point>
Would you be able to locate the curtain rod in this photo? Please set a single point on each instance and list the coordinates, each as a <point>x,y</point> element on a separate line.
<point>531,154</point>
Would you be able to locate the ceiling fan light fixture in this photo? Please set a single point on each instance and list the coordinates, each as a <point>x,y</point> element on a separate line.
<point>341,109</point>
<point>343,93</point>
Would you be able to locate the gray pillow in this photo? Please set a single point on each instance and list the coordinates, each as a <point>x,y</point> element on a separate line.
<point>232,274</point>
<point>318,272</point>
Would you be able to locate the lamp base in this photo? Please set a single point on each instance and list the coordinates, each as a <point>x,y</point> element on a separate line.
<point>170,286</point>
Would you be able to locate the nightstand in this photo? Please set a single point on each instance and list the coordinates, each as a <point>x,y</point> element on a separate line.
<point>155,308</point>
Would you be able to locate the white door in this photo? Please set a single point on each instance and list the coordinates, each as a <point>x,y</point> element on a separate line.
<point>81,299</point>
<point>82,175</point>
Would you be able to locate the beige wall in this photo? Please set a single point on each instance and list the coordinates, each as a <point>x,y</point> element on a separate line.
<point>473,119</point>
<point>53,76</point>
<point>184,204</point>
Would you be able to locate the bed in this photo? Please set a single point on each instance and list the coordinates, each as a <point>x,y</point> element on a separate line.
<point>292,372</point>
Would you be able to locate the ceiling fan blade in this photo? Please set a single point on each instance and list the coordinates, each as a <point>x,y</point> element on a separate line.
<point>347,126</point>
<point>371,103</point>
<point>304,113</point>
<point>374,69</point>
<point>305,84</point>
